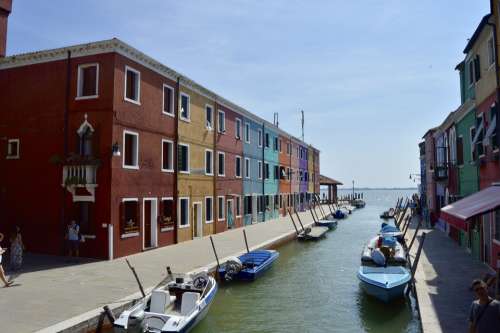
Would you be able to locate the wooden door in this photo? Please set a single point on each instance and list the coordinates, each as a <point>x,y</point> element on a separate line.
<point>147,224</point>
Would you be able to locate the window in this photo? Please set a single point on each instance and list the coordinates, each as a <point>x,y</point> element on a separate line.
<point>183,158</point>
<point>168,100</point>
<point>477,68</point>
<point>266,170</point>
<point>276,201</point>
<point>238,167</point>
<point>88,81</point>
<point>167,155</point>
<point>260,137</point>
<point>129,217</point>
<point>275,144</point>
<point>497,224</point>
<point>280,146</point>
<point>222,122</point>
<point>268,142</point>
<point>238,129</point>
<point>276,172</point>
<point>247,132</point>
<point>260,169</point>
<point>238,206</point>
<point>493,122</point>
<point>209,117</point>
<point>472,135</point>
<point>166,212</point>
<point>247,167</point>
<point>220,208</point>
<point>247,205</point>
<point>13,149</point>
<point>183,212</point>
<point>209,207</point>
<point>491,52</point>
<point>185,107</point>
<point>131,150</point>
<point>268,202</point>
<point>221,165</point>
<point>288,173</point>
<point>460,150</point>
<point>288,149</point>
<point>132,85</point>
<point>260,203</point>
<point>209,162</point>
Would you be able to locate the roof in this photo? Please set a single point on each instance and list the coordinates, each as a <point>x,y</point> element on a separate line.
<point>478,203</point>
<point>460,66</point>
<point>118,46</point>
<point>324,180</point>
<point>476,34</point>
<point>429,132</point>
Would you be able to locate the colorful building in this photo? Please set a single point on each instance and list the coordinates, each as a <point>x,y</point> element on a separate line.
<point>284,172</point>
<point>271,172</point>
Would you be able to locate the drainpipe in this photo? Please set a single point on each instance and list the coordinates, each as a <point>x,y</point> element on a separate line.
<point>215,201</point>
<point>263,173</point>
<point>176,157</point>
<point>66,144</point>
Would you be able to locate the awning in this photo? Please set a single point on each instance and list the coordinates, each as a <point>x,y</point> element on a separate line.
<point>490,130</point>
<point>478,203</point>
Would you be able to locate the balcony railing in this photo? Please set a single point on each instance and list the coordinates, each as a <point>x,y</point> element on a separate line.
<point>80,179</point>
<point>441,173</point>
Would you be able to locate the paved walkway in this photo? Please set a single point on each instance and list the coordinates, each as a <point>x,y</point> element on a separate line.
<point>50,292</point>
<point>443,278</point>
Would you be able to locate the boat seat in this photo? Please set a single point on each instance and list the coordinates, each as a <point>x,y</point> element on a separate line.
<point>188,304</point>
<point>160,300</point>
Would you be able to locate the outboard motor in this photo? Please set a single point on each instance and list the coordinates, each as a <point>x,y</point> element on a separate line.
<point>233,267</point>
<point>378,257</point>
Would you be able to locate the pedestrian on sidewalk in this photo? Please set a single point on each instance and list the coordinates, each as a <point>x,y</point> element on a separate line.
<point>73,237</point>
<point>485,311</point>
<point>2,272</point>
<point>16,249</point>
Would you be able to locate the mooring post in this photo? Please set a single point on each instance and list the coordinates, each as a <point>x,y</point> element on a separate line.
<point>100,322</point>
<point>298,218</point>
<point>293,222</point>
<point>414,236</point>
<point>246,241</point>
<point>406,225</point>
<point>312,214</point>
<point>415,263</point>
<point>136,278</point>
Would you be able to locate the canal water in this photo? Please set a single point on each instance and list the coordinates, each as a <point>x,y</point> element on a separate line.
<point>313,286</point>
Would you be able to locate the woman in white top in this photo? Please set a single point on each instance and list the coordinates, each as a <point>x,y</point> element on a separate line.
<point>2,273</point>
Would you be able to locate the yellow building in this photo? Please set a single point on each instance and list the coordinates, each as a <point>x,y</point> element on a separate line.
<point>195,187</point>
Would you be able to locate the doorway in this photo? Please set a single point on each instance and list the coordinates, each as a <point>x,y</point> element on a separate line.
<point>229,214</point>
<point>197,221</point>
<point>254,209</point>
<point>150,225</point>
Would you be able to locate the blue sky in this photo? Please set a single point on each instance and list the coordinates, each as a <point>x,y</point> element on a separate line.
<point>371,75</point>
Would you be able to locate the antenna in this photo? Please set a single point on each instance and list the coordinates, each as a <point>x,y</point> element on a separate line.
<point>276,121</point>
<point>302,123</point>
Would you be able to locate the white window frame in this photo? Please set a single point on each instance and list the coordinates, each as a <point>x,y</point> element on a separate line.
<point>212,209</point>
<point>179,225</point>
<point>138,101</point>
<point>260,138</point>
<point>221,115</point>
<point>171,169</point>
<point>212,164</point>
<point>247,132</point>
<point>172,97</point>
<point>188,157</point>
<point>247,168</point>
<point>237,157</point>
<point>260,170</point>
<point>10,156</point>
<point>131,234</point>
<point>134,167</point>
<point>80,81</point>
<point>223,210</point>
<point>188,118</point>
<point>211,126</point>
<point>218,164</point>
<point>491,52</point>
<point>237,202</point>
<point>237,128</point>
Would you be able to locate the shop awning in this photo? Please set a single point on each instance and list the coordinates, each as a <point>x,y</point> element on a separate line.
<point>478,203</point>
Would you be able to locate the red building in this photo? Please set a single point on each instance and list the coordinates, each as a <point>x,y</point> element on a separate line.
<point>229,187</point>
<point>95,145</point>
<point>285,163</point>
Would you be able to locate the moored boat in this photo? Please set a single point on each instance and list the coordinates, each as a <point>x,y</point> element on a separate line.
<point>248,266</point>
<point>330,224</point>
<point>174,307</point>
<point>359,203</point>
<point>388,214</point>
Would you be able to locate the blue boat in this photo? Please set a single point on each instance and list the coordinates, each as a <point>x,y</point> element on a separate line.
<point>384,283</point>
<point>248,266</point>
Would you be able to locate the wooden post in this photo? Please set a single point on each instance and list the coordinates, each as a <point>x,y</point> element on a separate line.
<point>414,236</point>
<point>136,278</point>
<point>246,241</point>
<point>312,214</point>
<point>406,226</point>
<point>298,218</point>
<point>100,322</point>
<point>215,252</point>
<point>415,263</point>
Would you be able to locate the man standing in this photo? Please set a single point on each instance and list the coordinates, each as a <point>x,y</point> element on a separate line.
<point>485,311</point>
<point>73,237</point>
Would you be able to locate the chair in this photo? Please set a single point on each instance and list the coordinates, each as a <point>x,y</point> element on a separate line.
<point>188,304</point>
<point>160,300</point>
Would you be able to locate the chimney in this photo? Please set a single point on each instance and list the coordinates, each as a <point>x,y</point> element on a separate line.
<point>5,9</point>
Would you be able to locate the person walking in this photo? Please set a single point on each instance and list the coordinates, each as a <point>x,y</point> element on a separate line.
<point>73,237</point>
<point>2,272</point>
<point>485,311</point>
<point>16,249</point>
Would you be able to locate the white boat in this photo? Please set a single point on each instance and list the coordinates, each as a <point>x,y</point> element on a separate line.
<point>175,307</point>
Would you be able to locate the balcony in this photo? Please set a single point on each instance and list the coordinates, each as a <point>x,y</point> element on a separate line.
<point>80,179</point>
<point>441,173</point>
